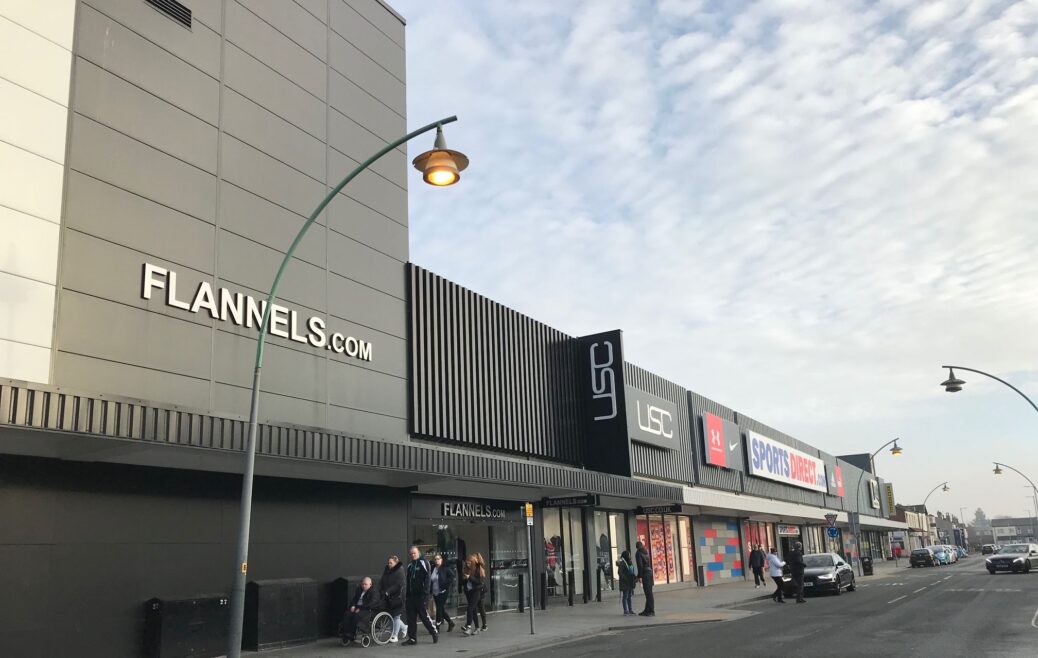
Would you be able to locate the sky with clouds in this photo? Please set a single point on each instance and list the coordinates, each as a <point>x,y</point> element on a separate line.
<point>800,209</point>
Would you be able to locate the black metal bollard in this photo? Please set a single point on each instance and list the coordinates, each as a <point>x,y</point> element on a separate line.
<point>598,586</point>
<point>522,593</point>
<point>544,591</point>
<point>572,582</point>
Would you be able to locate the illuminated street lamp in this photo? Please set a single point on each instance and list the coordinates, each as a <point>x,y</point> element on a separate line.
<point>896,452</point>
<point>440,167</point>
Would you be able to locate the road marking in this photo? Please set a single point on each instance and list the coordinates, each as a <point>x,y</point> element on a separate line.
<point>937,583</point>
<point>1034,620</point>
<point>906,596</point>
<point>947,577</point>
<point>920,589</point>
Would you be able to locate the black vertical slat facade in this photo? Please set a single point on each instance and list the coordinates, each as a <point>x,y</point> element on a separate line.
<point>489,377</point>
<point>652,461</point>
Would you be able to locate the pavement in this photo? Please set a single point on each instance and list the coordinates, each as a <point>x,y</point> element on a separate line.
<point>954,610</point>
<point>561,627</point>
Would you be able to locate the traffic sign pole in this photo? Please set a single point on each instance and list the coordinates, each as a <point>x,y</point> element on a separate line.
<point>528,513</point>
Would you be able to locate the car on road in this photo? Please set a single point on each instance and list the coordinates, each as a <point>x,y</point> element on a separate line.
<point>922,557</point>
<point>962,551</point>
<point>824,572</point>
<point>953,554</point>
<point>1017,558</point>
<point>987,549</point>
<point>940,554</point>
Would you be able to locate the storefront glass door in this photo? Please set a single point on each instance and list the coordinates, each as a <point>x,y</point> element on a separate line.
<point>564,551</point>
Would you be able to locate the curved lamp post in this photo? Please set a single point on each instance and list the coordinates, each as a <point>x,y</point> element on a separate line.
<point>895,451</point>
<point>1034,489</point>
<point>953,384</point>
<point>944,490</point>
<point>439,166</point>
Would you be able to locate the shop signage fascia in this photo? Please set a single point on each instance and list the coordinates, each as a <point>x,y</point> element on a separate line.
<point>601,384</point>
<point>245,311</point>
<point>674,508</point>
<point>651,419</point>
<point>874,494</point>
<point>587,500</point>
<point>782,463</point>
<point>465,509</point>
<point>722,442</point>
<point>787,530</point>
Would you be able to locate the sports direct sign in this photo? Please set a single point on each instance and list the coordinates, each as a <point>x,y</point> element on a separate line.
<point>777,461</point>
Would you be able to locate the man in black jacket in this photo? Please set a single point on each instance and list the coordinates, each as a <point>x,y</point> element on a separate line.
<point>358,614</point>
<point>417,602</point>
<point>757,560</point>
<point>644,567</point>
<point>796,569</point>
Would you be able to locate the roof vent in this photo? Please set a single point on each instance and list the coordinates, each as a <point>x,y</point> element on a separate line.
<point>174,10</point>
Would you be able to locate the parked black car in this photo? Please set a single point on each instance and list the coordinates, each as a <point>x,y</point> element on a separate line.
<point>1018,558</point>
<point>988,549</point>
<point>922,557</point>
<point>824,572</point>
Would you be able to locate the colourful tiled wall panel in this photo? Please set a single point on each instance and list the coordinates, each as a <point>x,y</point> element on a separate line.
<point>719,549</point>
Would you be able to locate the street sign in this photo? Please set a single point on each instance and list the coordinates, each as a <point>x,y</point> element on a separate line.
<point>831,520</point>
<point>528,510</point>
<point>834,532</point>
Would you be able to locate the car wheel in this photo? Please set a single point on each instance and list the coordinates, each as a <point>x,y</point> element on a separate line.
<point>839,588</point>
<point>1027,566</point>
<point>853,586</point>
<point>991,571</point>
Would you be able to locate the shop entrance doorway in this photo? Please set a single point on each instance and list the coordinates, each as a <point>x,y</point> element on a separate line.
<point>564,551</point>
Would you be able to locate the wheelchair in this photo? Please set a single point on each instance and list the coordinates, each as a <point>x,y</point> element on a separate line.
<point>379,630</point>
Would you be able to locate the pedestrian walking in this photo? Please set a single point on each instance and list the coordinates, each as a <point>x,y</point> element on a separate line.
<point>472,578</point>
<point>440,582</point>
<point>417,601</point>
<point>391,588</point>
<point>358,613</point>
<point>757,561</point>
<point>796,569</point>
<point>644,567</point>
<point>628,576</point>
<point>481,606</point>
<point>775,565</point>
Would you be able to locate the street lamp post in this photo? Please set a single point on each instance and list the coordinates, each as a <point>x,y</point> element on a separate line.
<point>953,384</point>
<point>439,166</point>
<point>1034,489</point>
<point>895,451</point>
<point>944,490</point>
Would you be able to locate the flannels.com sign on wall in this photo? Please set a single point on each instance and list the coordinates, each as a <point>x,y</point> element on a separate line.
<point>245,311</point>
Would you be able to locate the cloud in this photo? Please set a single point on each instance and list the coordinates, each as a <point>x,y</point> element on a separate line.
<point>797,208</point>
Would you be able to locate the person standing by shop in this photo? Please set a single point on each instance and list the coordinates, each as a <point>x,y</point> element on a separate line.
<point>440,582</point>
<point>627,578</point>
<point>481,607</point>
<point>417,601</point>
<point>796,569</point>
<point>472,579</point>
<point>757,560</point>
<point>775,565</point>
<point>644,567</point>
<point>391,587</point>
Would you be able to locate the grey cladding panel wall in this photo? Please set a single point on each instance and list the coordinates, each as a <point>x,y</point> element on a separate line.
<point>486,376</point>
<point>211,178</point>
<point>651,461</point>
<point>711,476</point>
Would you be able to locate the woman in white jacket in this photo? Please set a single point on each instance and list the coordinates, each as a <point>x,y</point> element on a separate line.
<point>775,565</point>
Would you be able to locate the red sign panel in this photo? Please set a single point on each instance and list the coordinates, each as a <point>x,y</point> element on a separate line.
<point>716,454</point>
<point>839,481</point>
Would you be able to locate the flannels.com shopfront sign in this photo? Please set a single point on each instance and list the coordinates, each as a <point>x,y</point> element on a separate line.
<point>245,311</point>
<point>777,461</point>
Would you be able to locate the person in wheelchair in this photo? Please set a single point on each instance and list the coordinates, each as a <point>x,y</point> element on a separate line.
<point>360,610</point>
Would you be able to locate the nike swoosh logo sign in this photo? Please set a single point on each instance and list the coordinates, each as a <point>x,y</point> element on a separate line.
<point>733,446</point>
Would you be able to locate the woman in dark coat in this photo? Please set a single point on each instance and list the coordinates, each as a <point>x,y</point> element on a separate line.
<point>472,579</point>
<point>628,577</point>
<point>392,586</point>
